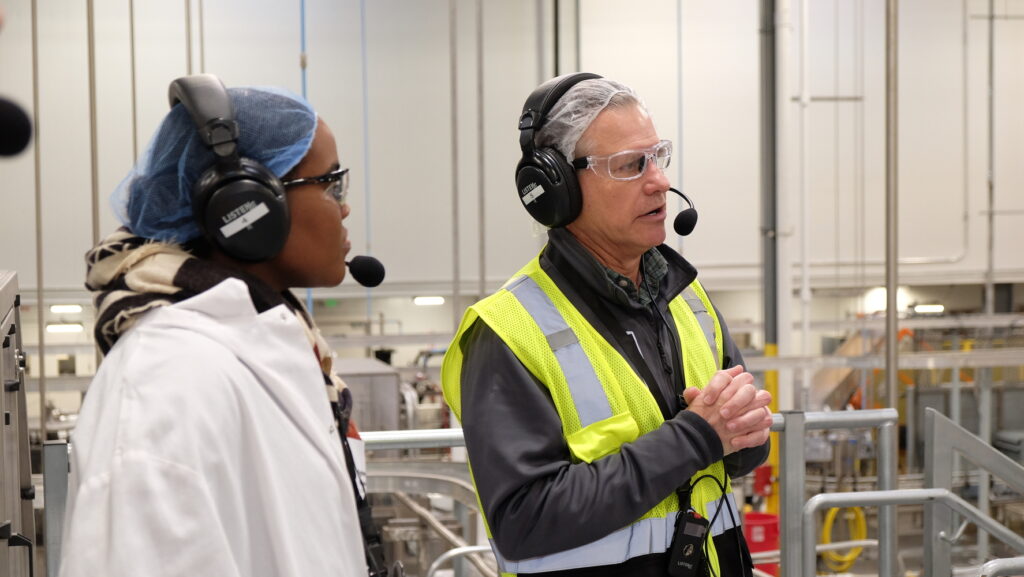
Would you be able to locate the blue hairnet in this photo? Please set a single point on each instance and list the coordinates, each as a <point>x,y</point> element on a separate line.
<point>155,200</point>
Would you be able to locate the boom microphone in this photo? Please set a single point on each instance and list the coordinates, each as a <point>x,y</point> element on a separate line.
<point>366,270</point>
<point>687,219</point>
<point>15,128</point>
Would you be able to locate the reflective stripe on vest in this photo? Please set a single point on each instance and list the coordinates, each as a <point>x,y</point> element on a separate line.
<point>646,536</point>
<point>587,393</point>
<point>707,324</point>
<point>578,371</point>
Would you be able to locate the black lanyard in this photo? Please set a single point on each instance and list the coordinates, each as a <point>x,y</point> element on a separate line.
<point>372,545</point>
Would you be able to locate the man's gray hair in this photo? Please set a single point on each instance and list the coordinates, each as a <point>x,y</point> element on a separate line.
<point>577,109</point>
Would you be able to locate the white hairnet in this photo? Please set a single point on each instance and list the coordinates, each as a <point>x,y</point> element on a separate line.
<point>576,109</point>
<point>154,201</point>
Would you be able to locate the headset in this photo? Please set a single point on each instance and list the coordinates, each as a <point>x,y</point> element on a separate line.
<point>238,203</point>
<point>547,183</point>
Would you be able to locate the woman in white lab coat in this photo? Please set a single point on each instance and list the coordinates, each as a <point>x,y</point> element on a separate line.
<point>208,443</point>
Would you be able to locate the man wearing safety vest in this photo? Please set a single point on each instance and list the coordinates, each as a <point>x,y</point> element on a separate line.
<point>602,399</point>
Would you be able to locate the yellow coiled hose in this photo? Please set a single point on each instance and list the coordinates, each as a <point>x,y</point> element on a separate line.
<point>858,528</point>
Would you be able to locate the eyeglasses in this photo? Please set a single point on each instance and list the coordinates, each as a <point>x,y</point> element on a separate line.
<point>337,181</point>
<point>628,164</point>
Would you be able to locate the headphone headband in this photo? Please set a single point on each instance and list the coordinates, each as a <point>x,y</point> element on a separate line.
<point>541,101</point>
<point>207,101</point>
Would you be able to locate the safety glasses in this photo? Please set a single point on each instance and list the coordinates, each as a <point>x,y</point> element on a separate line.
<point>628,164</point>
<point>336,181</point>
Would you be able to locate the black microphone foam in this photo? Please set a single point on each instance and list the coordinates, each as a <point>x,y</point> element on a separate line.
<point>15,128</point>
<point>686,220</point>
<point>366,270</point>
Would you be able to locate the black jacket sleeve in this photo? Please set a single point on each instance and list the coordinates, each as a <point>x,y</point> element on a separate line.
<point>536,500</point>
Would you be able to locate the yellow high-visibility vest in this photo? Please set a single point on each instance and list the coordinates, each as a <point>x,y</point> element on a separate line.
<point>600,400</point>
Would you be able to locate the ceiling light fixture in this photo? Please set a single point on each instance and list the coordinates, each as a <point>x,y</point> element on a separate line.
<point>428,301</point>
<point>64,328</point>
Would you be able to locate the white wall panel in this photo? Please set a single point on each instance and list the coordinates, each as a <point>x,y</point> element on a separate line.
<point>17,174</point>
<point>113,105</point>
<point>721,135</point>
<point>63,134</point>
<point>397,141</point>
<point>1009,142</point>
<point>410,131</point>
<point>160,57</point>
<point>510,74</point>
<point>250,42</point>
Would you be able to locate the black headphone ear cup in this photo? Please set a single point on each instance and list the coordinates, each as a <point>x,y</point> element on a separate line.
<point>548,188</point>
<point>243,211</point>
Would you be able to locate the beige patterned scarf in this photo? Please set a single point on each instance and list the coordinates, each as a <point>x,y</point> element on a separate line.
<point>129,275</point>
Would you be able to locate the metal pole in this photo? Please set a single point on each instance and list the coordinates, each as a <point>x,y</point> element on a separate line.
<point>769,225</point>
<point>93,137</point>
<point>938,473</point>
<point>202,49</point>
<point>985,434</point>
<point>769,206</point>
<point>954,396</point>
<point>887,481</point>
<point>40,300</point>
<point>480,156</point>
<point>453,58</point>
<point>784,194</point>
<point>991,172</point>
<point>131,53</point>
<point>985,382</point>
<point>910,417</point>
<point>891,205</point>
<point>188,37</point>
<point>805,195</point>
<point>792,474</point>
<point>419,439</point>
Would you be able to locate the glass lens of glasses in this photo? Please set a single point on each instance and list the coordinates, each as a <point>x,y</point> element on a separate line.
<point>339,188</point>
<point>627,164</point>
<point>630,164</point>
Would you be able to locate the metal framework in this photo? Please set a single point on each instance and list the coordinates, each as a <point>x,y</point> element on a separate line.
<point>945,440</point>
<point>798,520</point>
<point>928,497</point>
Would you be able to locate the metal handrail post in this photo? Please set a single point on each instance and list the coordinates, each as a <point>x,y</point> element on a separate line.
<point>938,473</point>
<point>792,473</point>
<point>887,481</point>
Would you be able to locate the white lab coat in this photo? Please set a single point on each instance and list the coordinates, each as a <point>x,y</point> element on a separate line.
<point>206,446</point>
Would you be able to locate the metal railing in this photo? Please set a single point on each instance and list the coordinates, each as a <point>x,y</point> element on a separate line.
<point>944,441</point>
<point>792,476</point>
<point>890,498</point>
<point>792,473</point>
<point>1014,566</point>
<point>798,521</point>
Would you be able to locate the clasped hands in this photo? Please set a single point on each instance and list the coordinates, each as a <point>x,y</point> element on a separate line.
<point>736,409</point>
